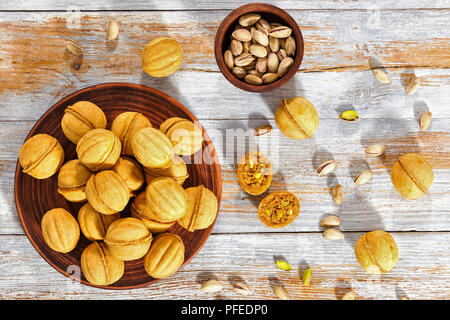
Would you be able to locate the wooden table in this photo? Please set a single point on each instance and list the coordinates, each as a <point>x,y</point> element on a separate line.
<point>343,41</point>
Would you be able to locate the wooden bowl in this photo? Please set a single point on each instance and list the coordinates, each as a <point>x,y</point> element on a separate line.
<point>35,197</point>
<point>272,14</point>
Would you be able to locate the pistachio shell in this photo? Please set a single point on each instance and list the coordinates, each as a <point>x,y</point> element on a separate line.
<point>165,256</point>
<point>242,35</point>
<point>350,295</point>
<point>131,172</point>
<point>244,59</point>
<point>412,176</point>
<point>425,120</point>
<point>125,125</point>
<point>337,194</point>
<point>186,136</point>
<point>202,209</point>
<point>107,192</point>
<point>274,44</point>
<point>280,32</point>
<point>281,292</point>
<point>41,156</point>
<point>260,37</point>
<point>258,51</point>
<point>375,150</point>
<point>290,46</point>
<point>263,26</point>
<point>229,60</point>
<point>241,288</point>
<point>140,210</point>
<point>152,148</point>
<point>326,167</point>
<point>249,19</point>
<point>72,179</point>
<point>80,118</point>
<point>99,149</point>
<point>297,118</point>
<point>330,221</point>
<point>363,177</point>
<point>236,47</point>
<point>112,30</point>
<point>261,65</point>
<point>162,57</point>
<point>381,76</point>
<point>212,285</point>
<point>239,72</point>
<point>333,234</point>
<point>273,62</point>
<point>128,239</point>
<point>411,88</point>
<point>376,252</point>
<point>253,79</point>
<point>60,230</point>
<point>284,66</point>
<point>94,224</point>
<point>167,199</point>
<point>99,266</point>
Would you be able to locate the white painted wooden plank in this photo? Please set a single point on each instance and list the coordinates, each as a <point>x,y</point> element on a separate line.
<point>423,270</point>
<point>375,205</point>
<point>212,4</point>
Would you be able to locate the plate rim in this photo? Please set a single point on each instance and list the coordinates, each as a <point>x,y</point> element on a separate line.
<point>62,101</point>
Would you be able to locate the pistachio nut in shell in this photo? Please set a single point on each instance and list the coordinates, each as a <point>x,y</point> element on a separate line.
<point>107,192</point>
<point>140,210</point>
<point>152,148</point>
<point>94,224</point>
<point>128,239</point>
<point>41,156</point>
<point>165,257</point>
<point>167,199</point>
<point>177,170</point>
<point>376,252</point>
<point>99,266</point>
<point>249,19</point>
<point>99,149</point>
<point>72,179</point>
<point>412,176</point>
<point>162,57</point>
<point>80,118</point>
<point>60,230</point>
<point>131,172</point>
<point>125,125</point>
<point>278,209</point>
<point>202,209</point>
<point>186,136</point>
<point>297,118</point>
<point>254,173</point>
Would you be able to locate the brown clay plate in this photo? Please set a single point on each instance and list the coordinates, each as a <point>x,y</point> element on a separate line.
<point>35,197</point>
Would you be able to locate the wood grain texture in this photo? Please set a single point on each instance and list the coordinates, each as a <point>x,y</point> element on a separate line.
<point>343,41</point>
<point>213,5</point>
<point>422,272</point>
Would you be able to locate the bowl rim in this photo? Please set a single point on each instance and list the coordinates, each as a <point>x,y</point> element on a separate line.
<point>229,22</point>
<point>59,104</point>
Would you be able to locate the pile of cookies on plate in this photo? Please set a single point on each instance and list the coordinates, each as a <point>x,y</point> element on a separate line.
<point>132,160</point>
